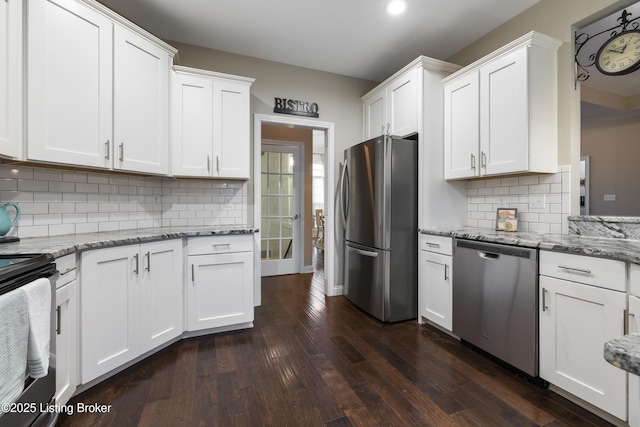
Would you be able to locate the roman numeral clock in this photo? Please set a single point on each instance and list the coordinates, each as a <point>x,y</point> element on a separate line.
<point>620,54</point>
<point>617,55</point>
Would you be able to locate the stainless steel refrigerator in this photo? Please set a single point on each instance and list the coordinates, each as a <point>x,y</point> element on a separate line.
<point>380,208</point>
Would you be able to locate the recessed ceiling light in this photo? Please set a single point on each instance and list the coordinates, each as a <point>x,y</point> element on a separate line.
<point>396,7</point>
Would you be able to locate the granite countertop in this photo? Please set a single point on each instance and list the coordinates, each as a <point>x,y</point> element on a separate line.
<point>603,247</point>
<point>624,352</point>
<point>62,245</point>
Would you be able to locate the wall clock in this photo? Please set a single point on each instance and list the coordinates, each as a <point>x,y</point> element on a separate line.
<point>620,54</point>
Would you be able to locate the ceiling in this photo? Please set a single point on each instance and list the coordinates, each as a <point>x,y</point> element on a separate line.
<point>354,38</point>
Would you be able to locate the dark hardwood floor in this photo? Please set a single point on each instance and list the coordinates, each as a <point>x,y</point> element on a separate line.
<point>317,361</point>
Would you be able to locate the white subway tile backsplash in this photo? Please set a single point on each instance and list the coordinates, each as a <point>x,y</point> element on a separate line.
<point>58,202</point>
<point>485,196</point>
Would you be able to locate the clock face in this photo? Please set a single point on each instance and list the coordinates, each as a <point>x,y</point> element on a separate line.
<point>620,55</point>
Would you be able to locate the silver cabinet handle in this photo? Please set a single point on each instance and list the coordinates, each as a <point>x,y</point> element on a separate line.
<point>433,245</point>
<point>137,269</point>
<point>221,245</point>
<point>544,300</point>
<point>122,152</point>
<point>627,320</point>
<point>446,272</point>
<point>58,326</point>
<point>578,270</point>
<point>193,273</point>
<point>218,164</point>
<point>484,160</point>
<point>208,163</point>
<point>473,161</point>
<point>106,150</point>
<point>148,261</point>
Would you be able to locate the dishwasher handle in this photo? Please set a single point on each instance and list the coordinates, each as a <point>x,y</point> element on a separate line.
<point>489,256</point>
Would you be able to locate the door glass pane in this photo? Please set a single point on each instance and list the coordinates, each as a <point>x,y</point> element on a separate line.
<point>287,163</point>
<point>287,249</point>
<point>263,227</point>
<point>287,185</point>
<point>274,249</point>
<point>274,162</point>
<point>274,184</point>
<point>274,206</point>
<point>287,228</point>
<point>287,206</point>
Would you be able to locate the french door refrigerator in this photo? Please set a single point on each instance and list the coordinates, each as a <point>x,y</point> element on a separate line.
<point>380,209</point>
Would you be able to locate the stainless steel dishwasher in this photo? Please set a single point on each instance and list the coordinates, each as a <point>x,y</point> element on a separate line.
<point>495,301</point>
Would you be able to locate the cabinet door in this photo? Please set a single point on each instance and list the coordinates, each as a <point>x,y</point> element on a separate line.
<point>141,104</point>
<point>375,114</point>
<point>231,130</point>
<point>192,113</point>
<point>69,105</point>
<point>403,104</point>
<point>220,291</point>
<point>161,292</point>
<point>461,127</point>
<point>575,322</point>
<point>435,291</point>
<point>10,78</point>
<point>109,309</point>
<point>66,342</point>
<point>504,114</point>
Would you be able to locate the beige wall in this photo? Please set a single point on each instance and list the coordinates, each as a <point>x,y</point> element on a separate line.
<point>554,18</point>
<point>305,137</point>
<point>337,96</point>
<point>614,152</point>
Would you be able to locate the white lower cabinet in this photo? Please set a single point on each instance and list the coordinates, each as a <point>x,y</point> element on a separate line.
<point>66,330</point>
<point>634,380</point>
<point>578,314</point>
<point>220,284</point>
<point>131,303</point>
<point>435,291</point>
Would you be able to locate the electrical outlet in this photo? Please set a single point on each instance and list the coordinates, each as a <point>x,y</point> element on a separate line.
<point>537,201</point>
<point>609,197</point>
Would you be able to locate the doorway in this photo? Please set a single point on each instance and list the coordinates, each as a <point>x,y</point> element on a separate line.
<point>281,177</point>
<point>327,129</point>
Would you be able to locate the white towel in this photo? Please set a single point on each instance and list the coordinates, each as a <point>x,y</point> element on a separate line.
<point>39,302</point>
<point>14,333</point>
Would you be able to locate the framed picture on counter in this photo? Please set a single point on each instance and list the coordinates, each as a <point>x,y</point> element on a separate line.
<point>507,219</point>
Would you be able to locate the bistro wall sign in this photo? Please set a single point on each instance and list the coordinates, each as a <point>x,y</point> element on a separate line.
<point>295,107</point>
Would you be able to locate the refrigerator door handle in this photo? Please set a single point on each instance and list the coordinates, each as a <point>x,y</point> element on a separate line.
<point>366,253</point>
<point>344,195</point>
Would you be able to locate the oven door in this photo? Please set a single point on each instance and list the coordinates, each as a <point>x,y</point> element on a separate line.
<point>38,393</point>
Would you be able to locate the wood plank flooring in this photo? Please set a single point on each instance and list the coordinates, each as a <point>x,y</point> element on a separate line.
<point>317,361</point>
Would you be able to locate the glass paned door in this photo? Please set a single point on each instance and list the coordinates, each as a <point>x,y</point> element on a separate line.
<point>279,229</point>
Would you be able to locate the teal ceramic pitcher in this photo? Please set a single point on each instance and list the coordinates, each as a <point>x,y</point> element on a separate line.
<point>5,220</point>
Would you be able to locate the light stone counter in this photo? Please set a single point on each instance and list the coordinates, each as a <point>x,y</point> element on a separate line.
<point>603,247</point>
<point>62,245</point>
<point>624,352</point>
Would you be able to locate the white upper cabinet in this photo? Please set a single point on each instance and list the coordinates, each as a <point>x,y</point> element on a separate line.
<point>141,104</point>
<point>69,102</point>
<point>11,79</point>
<point>98,89</point>
<point>462,124</point>
<point>501,111</point>
<point>392,108</point>
<point>211,124</point>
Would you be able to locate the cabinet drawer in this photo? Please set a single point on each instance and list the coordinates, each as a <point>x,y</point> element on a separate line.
<point>220,244</point>
<point>439,244</point>
<point>604,273</point>
<point>66,265</point>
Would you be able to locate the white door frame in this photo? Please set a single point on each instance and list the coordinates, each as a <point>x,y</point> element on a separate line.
<point>299,199</point>
<point>330,287</point>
